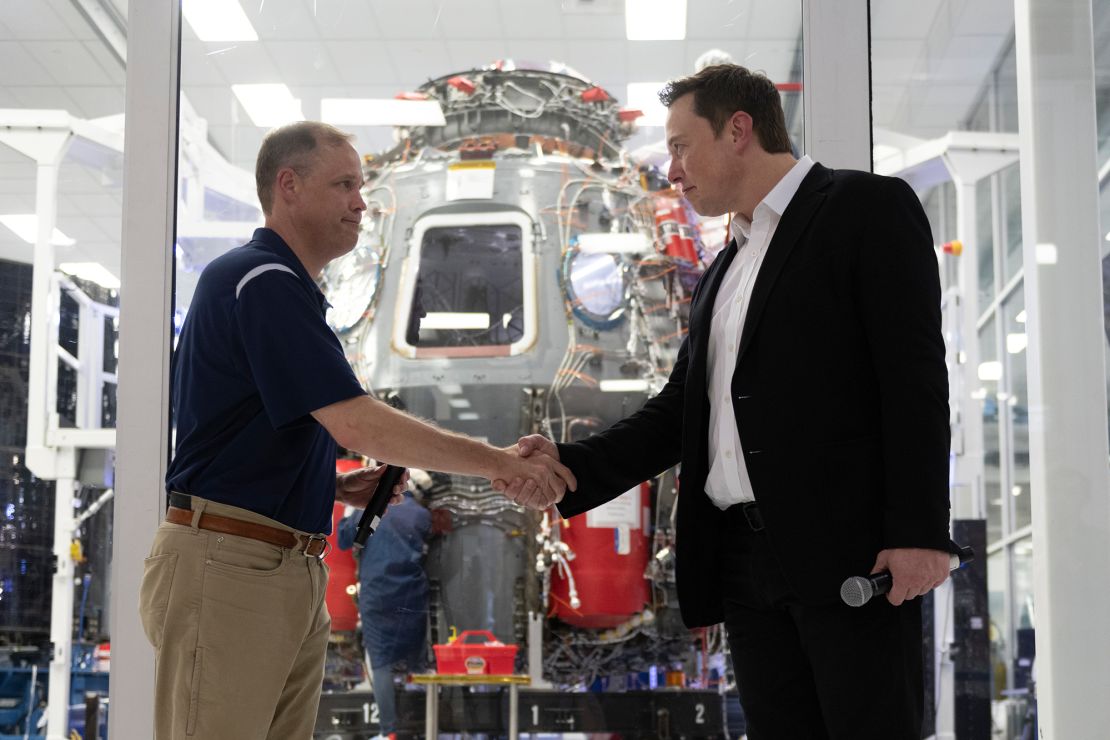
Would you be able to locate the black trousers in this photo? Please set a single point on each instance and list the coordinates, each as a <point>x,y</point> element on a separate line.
<point>816,672</point>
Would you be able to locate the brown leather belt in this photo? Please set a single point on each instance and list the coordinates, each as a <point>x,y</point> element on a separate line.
<point>314,546</point>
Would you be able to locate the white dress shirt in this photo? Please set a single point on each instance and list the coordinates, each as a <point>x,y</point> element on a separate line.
<point>728,481</point>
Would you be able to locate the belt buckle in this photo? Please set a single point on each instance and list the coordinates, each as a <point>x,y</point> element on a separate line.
<point>309,539</point>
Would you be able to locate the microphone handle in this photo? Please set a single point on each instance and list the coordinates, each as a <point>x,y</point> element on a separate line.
<point>372,514</point>
<point>882,581</point>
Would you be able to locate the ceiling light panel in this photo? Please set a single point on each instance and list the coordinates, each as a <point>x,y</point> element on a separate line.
<point>644,96</point>
<point>381,112</point>
<point>655,20</point>
<point>269,104</point>
<point>26,227</point>
<point>218,20</point>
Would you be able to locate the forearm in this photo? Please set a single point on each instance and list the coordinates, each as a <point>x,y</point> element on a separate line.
<point>376,430</point>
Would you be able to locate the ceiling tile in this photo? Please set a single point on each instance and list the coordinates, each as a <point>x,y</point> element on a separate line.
<point>14,55</point>
<point>716,19</point>
<point>75,22</point>
<point>531,19</point>
<point>285,19</point>
<point>472,54</point>
<point>112,66</point>
<point>42,96</point>
<point>893,61</point>
<point>419,60</point>
<point>895,19</point>
<point>472,19</point>
<point>33,20</point>
<point>649,61</point>
<point>79,227</point>
<point>69,62</point>
<point>538,50</point>
<point>346,19</point>
<point>96,102</point>
<point>213,103</point>
<point>594,26</point>
<point>598,61</point>
<point>302,62</point>
<point>776,19</point>
<point>198,63</point>
<point>247,63</point>
<point>399,19</point>
<point>362,61</point>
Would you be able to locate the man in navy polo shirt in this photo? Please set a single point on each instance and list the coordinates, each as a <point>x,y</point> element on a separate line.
<point>233,592</point>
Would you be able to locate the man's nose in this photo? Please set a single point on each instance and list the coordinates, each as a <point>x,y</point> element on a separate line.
<point>674,173</point>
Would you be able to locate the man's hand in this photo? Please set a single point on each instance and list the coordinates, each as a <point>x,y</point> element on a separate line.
<point>915,571</point>
<point>357,487</point>
<point>524,491</point>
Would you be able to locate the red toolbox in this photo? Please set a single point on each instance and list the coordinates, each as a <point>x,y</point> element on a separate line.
<point>463,656</point>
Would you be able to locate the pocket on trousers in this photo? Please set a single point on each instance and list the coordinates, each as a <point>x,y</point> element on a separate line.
<point>154,594</point>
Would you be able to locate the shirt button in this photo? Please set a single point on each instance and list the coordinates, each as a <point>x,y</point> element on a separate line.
<point>728,454</point>
<point>732,348</point>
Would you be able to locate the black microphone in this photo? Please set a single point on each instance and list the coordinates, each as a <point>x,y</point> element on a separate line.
<point>372,514</point>
<point>858,590</point>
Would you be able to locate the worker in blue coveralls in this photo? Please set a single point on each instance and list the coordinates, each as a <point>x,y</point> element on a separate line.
<point>392,597</point>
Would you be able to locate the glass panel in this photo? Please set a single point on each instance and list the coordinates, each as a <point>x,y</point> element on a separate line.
<point>1010,185</point>
<point>1024,613</point>
<point>61,153</point>
<point>984,234</point>
<point>1017,405</point>
<point>989,375</point>
<point>469,288</point>
<point>432,318</point>
<point>997,588</point>
<point>598,285</point>
<point>1006,81</point>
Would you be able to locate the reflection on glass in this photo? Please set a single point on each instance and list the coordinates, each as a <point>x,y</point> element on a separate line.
<point>597,286</point>
<point>997,586</point>
<point>989,374</point>
<point>1024,614</point>
<point>350,284</point>
<point>1010,184</point>
<point>984,235</point>
<point>1017,406</point>
<point>469,289</point>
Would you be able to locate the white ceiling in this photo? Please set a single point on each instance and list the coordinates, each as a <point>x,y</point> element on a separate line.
<point>929,61</point>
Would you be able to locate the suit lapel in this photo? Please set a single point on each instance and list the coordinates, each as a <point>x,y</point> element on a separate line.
<point>802,206</point>
<point>703,312</point>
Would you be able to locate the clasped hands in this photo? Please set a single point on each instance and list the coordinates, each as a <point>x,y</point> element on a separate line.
<point>535,478</point>
<point>535,481</point>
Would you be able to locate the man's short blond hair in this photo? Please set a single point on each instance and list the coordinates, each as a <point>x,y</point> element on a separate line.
<point>292,145</point>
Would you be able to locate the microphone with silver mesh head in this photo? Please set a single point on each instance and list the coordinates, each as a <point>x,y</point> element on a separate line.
<point>858,590</point>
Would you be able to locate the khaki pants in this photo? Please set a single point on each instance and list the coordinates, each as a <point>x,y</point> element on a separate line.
<point>240,632</point>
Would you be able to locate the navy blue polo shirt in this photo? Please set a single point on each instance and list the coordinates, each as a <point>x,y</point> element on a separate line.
<point>254,359</point>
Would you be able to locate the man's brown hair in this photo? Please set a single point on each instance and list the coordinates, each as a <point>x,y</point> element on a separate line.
<point>722,89</point>
<point>291,145</point>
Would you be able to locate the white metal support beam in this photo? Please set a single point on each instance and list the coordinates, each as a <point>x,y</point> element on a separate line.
<point>145,339</point>
<point>1070,478</point>
<point>836,82</point>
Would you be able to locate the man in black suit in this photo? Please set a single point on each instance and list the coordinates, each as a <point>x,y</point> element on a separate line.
<point>809,409</point>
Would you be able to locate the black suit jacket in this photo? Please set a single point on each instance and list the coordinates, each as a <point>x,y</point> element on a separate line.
<point>840,394</point>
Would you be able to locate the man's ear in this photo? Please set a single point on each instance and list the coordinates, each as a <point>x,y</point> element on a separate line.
<point>287,184</point>
<point>739,129</point>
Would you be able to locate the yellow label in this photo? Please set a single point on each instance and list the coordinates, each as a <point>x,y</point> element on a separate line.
<point>473,164</point>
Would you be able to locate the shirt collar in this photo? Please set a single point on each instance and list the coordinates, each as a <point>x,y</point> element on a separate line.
<point>777,200</point>
<point>272,241</point>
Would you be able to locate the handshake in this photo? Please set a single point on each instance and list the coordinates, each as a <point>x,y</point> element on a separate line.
<point>531,475</point>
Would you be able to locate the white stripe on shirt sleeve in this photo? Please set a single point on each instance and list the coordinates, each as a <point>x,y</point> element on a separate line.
<point>258,271</point>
